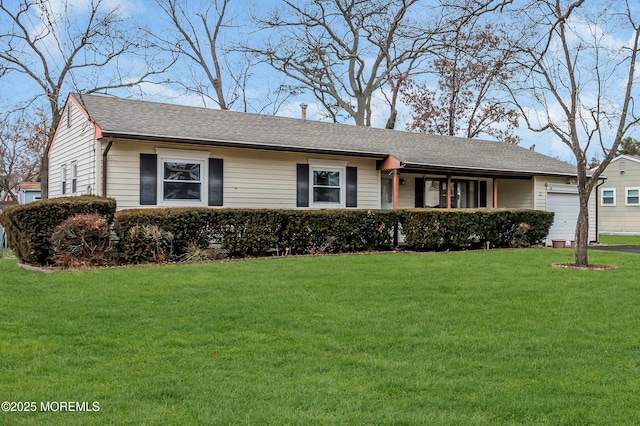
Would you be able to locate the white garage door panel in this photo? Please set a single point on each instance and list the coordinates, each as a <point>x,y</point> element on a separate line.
<point>566,207</point>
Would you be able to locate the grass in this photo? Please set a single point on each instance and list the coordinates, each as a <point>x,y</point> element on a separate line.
<point>618,240</point>
<point>473,338</point>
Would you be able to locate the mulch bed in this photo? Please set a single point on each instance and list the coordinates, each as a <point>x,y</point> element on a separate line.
<point>585,268</point>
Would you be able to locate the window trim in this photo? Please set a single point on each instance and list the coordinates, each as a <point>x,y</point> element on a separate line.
<point>183,156</point>
<point>602,191</point>
<point>328,165</point>
<point>626,196</point>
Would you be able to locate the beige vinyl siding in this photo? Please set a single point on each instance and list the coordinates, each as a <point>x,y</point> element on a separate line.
<point>75,143</point>
<point>515,193</point>
<point>252,178</point>
<point>407,193</point>
<point>621,218</point>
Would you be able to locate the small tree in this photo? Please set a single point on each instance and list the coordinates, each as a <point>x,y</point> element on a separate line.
<point>578,82</point>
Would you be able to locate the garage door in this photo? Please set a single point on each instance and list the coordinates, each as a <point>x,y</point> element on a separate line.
<point>566,207</point>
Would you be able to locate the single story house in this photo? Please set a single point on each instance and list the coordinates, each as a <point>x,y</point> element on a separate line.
<point>28,192</point>
<point>154,154</point>
<point>619,197</point>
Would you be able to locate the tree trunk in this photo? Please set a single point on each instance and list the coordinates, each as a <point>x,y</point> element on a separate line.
<point>360,112</point>
<point>44,176</point>
<point>582,230</point>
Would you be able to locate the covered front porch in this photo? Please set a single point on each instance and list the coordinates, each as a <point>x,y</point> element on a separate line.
<point>405,187</point>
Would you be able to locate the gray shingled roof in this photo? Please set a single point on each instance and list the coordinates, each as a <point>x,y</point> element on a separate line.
<point>126,118</point>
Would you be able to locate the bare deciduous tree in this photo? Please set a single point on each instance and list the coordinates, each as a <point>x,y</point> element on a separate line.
<point>195,39</point>
<point>23,140</point>
<point>579,68</point>
<point>57,47</point>
<point>468,72</point>
<point>343,50</point>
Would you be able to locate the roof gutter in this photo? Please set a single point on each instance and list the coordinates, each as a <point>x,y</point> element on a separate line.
<point>471,171</point>
<point>245,145</point>
<point>104,167</point>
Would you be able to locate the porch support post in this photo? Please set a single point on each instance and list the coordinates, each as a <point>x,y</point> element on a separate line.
<point>396,189</point>
<point>495,193</point>
<point>448,191</point>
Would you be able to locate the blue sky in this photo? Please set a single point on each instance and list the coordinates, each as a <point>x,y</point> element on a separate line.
<point>264,79</point>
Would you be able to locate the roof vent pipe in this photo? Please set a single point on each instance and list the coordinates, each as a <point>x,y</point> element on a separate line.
<point>303,108</point>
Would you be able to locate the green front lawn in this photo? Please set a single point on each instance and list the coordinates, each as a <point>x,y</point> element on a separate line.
<point>470,338</point>
<point>620,240</point>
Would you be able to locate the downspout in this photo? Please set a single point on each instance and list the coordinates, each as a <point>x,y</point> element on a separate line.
<point>597,209</point>
<point>104,167</point>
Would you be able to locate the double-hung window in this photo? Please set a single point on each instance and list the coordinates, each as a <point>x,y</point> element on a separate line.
<point>74,177</point>
<point>182,177</point>
<point>182,180</point>
<point>608,197</point>
<point>632,197</point>
<point>327,186</point>
<point>327,183</point>
<point>63,179</point>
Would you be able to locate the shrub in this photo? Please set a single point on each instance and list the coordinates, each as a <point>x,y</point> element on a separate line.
<point>148,243</point>
<point>187,233</point>
<point>158,235</point>
<point>83,240</point>
<point>30,226</point>
<point>434,229</point>
<point>256,232</point>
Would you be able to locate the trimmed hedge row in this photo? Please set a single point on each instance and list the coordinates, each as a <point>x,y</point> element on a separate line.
<point>157,235</point>
<point>30,226</point>
<point>436,229</point>
<point>147,234</point>
<point>143,232</point>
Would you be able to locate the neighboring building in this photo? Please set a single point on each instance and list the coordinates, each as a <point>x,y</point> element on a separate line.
<point>29,191</point>
<point>152,154</point>
<point>619,197</point>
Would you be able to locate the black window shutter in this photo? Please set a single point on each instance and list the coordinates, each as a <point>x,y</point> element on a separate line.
<point>352,187</point>
<point>148,179</point>
<point>215,182</point>
<point>302,185</point>
<point>483,194</point>
<point>419,201</point>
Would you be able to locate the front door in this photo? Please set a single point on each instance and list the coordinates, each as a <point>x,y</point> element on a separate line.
<point>386,194</point>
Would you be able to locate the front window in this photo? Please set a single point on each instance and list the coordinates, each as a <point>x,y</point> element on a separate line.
<point>327,186</point>
<point>328,183</point>
<point>608,197</point>
<point>63,179</point>
<point>74,178</point>
<point>182,177</point>
<point>182,180</point>
<point>633,197</point>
